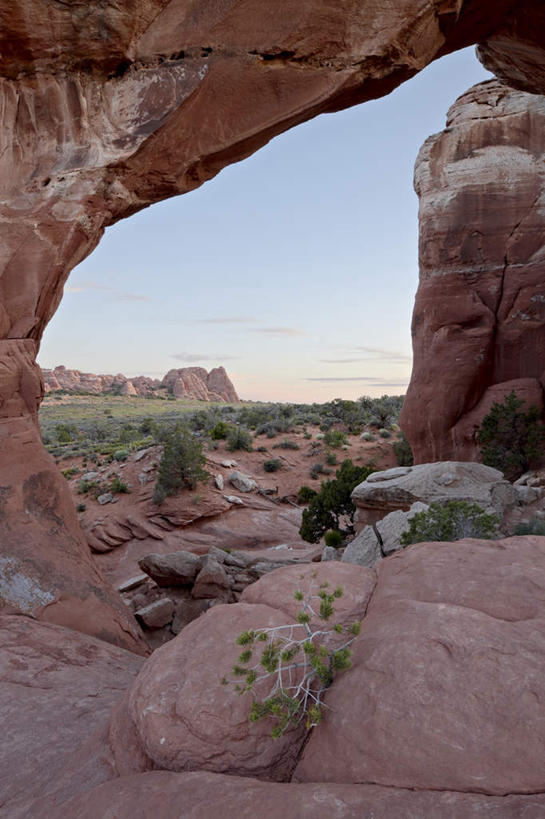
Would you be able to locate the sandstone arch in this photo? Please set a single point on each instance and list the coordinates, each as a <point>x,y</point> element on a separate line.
<point>109,107</point>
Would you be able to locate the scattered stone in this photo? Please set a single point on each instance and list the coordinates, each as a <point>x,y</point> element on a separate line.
<point>330,553</point>
<point>364,550</point>
<point>132,583</point>
<point>157,614</point>
<point>528,494</point>
<point>212,581</point>
<point>107,497</point>
<point>244,483</point>
<point>218,481</point>
<point>175,569</point>
<point>142,453</point>
<point>393,525</point>
<point>234,500</point>
<point>229,464</point>
<point>89,476</point>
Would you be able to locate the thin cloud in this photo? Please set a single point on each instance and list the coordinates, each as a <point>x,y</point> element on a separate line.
<point>191,358</point>
<point>227,320</point>
<point>279,331</point>
<point>381,354</point>
<point>118,295</point>
<point>371,382</point>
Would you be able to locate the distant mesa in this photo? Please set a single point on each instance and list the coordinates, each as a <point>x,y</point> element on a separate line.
<point>187,382</point>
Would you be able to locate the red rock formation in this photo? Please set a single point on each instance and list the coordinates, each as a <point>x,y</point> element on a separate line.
<point>479,316</point>
<point>46,569</point>
<point>440,714</point>
<point>187,382</point>
<point>108,108</point>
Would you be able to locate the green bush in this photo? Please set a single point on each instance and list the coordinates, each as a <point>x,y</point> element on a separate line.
<point>121,455</point>
<point>181,465</point>
<point>511,440</point>
<point>306,494</point>
<point>239,438</point>
<point>367,436</point>
<point>220,431</point>
<point>286,445</point>
<point>273,465</point>
<point>331,459</point>
<point>403,452</point>
<point>385,433</point>
<point>333,502</point>
<point>118,486</point>
<point>335,438</point>
<point>333,538</point>
<point>453,520</point>
<point>533,527</point>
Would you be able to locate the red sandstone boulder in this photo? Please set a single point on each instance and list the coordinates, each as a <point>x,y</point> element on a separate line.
<point>277,589</point>
<point>186,719</point>
<point>447,686</point>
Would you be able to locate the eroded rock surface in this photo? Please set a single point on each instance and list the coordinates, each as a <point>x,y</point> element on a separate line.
<point>57,687</point>
<point>479,316</point>
<point>447,685</point>
<point>46,569</point>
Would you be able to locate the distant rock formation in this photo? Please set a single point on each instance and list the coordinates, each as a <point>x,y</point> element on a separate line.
<point>187,382</point>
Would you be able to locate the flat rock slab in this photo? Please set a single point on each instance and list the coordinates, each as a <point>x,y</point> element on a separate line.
<point>56,686</point>
<point>160,794</point>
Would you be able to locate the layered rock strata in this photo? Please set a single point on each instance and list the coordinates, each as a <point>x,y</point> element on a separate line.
<point>479,316</point>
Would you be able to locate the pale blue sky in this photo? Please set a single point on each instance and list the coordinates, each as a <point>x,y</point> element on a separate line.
<point>295,269</point>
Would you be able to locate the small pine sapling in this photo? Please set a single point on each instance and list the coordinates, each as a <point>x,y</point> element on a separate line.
<point>297,662</point>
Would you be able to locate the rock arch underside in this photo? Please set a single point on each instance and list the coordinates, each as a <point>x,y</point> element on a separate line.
<point>107,107</point>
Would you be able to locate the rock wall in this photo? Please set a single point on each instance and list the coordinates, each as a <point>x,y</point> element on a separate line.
<point>479,316</point>
<point>187,382</point>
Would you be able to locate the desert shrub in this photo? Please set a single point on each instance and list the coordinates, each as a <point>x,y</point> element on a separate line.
<point>316,470</point>
<point>239,438</point>
<point>262,449</point>
<point>330,459</point>
<point>532,527</point>
<point>333,502</point>
<point>306,494</point>
<point>148,426</point>
<point>286,445</point>
<point>181,465</point>
<point>120,455</point>
<point>220,431</point>
<point>81,507</point>
<point>385,433</point>
<point>403,452</point>
<point>367,436</point>
<point>296,664</point>
<point>512,440</point>
<point>65,433</point>
<point>333,538</point>
<point>118,486</point>
<point>335,438</point>
<point>70,472</point>
<point>86,486</point>
<point>452,520</point>
<point>273,465</point>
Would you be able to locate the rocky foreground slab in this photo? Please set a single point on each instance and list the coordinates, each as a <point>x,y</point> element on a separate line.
<point>440,714</point>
